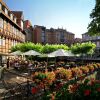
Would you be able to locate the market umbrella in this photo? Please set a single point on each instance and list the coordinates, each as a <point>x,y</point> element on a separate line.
<point>47,56</point>
<point>16,53</point>
<point>69,54</point>
<point>31,52</point>
<point>57,53</point>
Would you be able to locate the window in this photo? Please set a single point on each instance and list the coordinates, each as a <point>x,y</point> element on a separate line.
<point>11,16</point>
<point>4,24</point>
<point>98,37</point>
<point>6,11</point>
<point>0,6</point>
<point>15,19</point>
<point>13,29</point>
<point>3,8</point>
<point>43,33</point>
<point>22,25</point>
<point>3,41</point>
<point>98,44</point>
<point>43,36</point>
<point>57,36</point>
<point>61,37</point>
<point>9,27</point>
<point>1,23</point>
<point>0,41</point>
<point>16,31</point>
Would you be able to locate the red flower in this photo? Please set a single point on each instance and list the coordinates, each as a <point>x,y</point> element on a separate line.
<point>87,92</point>
<point>98,89</point>
<point>34,90</point>
<point>81,77</point>
<point>59,86</point>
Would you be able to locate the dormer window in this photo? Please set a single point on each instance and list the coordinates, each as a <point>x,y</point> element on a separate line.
<point>3,8</point>
<point>11,16</point>
<point>6,11</point>
<point>15,19</point>
<point>22,24</point>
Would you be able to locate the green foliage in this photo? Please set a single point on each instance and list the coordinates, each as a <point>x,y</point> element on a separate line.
<point>79,48</point>
<point>87,90</point>
<point>48,48</point>
<point>26,46</point>
<point>83,48</point>
<point>94,26</point>
<point>16,47</point>
<point>38,47</point>
<point>41,76</point>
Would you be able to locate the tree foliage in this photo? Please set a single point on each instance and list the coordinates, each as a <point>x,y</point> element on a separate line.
<point>83,48</point>
<point>94,26</point>
<point>79,48</point>
<point>38,47</point>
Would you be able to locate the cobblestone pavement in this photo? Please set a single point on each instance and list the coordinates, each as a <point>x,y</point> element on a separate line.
<point>12,77</point>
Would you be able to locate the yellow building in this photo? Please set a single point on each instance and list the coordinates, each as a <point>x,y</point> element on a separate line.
<point>10,32</point>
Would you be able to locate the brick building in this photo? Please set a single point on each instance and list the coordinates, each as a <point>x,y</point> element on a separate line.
<point>52,36</point>
<point>11,32</point>
<point>28,28</point>
<point>39,34</point>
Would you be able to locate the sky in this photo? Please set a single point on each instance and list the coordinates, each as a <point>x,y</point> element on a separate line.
<point>72,15</point>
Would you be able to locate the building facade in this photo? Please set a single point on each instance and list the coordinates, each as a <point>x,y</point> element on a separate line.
<point>52,36</point>
<point>39,34</point>
<point>28,28</point>
<point>11,32</point>
<point>20,18</point>
<point>95,39</point>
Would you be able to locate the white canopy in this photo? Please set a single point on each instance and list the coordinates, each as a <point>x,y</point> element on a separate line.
<point>46,55</point>
<point>69,53</point>
<point>31,52</point>
<point>59,52</point>
<point>16,53</point>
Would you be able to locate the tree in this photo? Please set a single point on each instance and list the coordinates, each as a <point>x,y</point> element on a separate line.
<point>94,26</point>
<point>16,47</point>
<point>83,48</point>
<point>50,48</point>
<point>38,47</point>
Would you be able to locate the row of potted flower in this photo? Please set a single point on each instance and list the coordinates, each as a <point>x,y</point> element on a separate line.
<point>63,74</point>
<point>55,80</point>
<point>87,90</point>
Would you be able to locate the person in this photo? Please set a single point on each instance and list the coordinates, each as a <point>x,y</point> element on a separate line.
<point>30,64</point>
<point>17,66</point>
<point>2,69</point>
<point>8,63</point>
